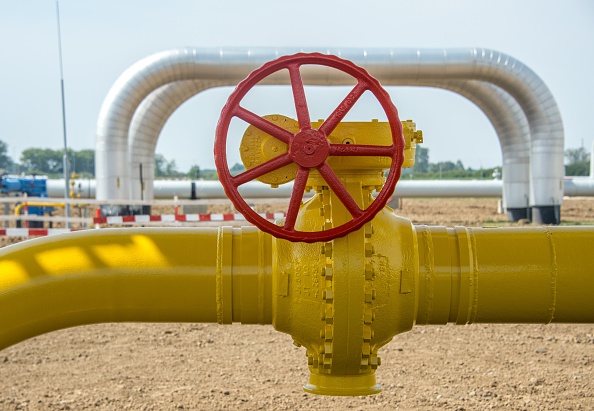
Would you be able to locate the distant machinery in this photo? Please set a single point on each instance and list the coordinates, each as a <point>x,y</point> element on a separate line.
<point>518,103</point>
<point>31,186</point>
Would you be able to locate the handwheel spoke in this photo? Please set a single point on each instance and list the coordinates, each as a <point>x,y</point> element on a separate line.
<point>343,108</point>
<point>299,97</point>
<point>361,150</point>
<point>308,149</point>
<point>262,169</point>
<point>263,124</point>
<point>296,197</point>
<point>339,189</point>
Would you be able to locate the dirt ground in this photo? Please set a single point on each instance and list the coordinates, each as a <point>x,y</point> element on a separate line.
<point>213,367</point>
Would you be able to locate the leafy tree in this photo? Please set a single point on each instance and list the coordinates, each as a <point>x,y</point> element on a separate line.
<point>171,169</point>
<point>445,166</point>
<point>421,160</point>
<point>577,162</point>
<point>42,160</point>
<point>48,161</point>
<point>576,155</point>
<point>194,172</point>
<point>236,169</point>
<point>209,174</point>
<point>160,165</point>
<point>83,162</point>
<point>578,169</point>
<point>6,161</point>
<point>165,168</point>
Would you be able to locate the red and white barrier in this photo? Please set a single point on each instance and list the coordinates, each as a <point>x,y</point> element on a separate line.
<point>133,219</point>
<point>33,232</point>
<point>179,217</point>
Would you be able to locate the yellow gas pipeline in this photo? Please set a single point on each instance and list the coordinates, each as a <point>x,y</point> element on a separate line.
<point>505,275</point>
<point>342,300</point>
<point>120,275</point>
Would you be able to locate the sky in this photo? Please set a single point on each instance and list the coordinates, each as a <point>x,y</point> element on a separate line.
<point>102,38</point>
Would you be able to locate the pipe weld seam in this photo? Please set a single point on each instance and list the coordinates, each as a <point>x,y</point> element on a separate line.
<point>553,271</point>
<point>475,277</point>
<point>261,274</point>
<point>429,272</point>
<point>219,276</point>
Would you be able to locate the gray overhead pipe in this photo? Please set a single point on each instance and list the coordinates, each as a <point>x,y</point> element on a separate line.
<point>503,111</point>
<point>390,66</point>
<point>511,126</point>
<point>212,190</point>
<point>146,126</point>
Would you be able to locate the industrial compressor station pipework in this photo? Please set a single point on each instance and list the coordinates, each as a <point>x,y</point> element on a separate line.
<point>341,273</point>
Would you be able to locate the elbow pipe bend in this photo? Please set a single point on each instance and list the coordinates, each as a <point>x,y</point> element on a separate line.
<point>504,113</point>
<point>391,66</point>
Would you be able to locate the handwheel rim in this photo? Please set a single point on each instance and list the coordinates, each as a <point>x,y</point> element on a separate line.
<point>233,109</point>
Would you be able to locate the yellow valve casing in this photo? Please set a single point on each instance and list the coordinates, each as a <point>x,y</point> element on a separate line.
<point>258,147</point>
<point>412,137</point>
<point>344,299</point>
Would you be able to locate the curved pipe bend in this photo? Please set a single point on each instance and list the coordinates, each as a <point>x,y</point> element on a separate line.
<point>503,111</point>
<point>391,66</point>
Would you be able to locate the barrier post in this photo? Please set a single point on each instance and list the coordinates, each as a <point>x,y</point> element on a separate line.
<point>97,215</point>
<point>26,211</point>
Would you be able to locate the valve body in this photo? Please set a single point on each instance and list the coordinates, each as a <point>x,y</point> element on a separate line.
<point>344,299</point>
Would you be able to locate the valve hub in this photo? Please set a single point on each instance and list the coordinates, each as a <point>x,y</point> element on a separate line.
<point>310,148</point>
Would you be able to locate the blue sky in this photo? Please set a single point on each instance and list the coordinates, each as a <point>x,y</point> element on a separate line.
<point>101,39</point>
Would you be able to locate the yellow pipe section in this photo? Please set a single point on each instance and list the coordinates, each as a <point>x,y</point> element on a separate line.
<point>143,275</point>
<point>505,275</point>
<point>20,206</point>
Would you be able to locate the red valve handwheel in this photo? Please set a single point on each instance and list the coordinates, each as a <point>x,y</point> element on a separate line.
<point>309,148</point>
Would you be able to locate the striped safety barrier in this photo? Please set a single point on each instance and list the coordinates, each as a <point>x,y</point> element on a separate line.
<point>39,232</point>
<point>33,232</point>
<point>179,217</point>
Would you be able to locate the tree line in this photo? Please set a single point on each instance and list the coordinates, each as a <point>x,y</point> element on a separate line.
<point>577,163</point>
<point>49,162</point>
<point>446,170</point>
